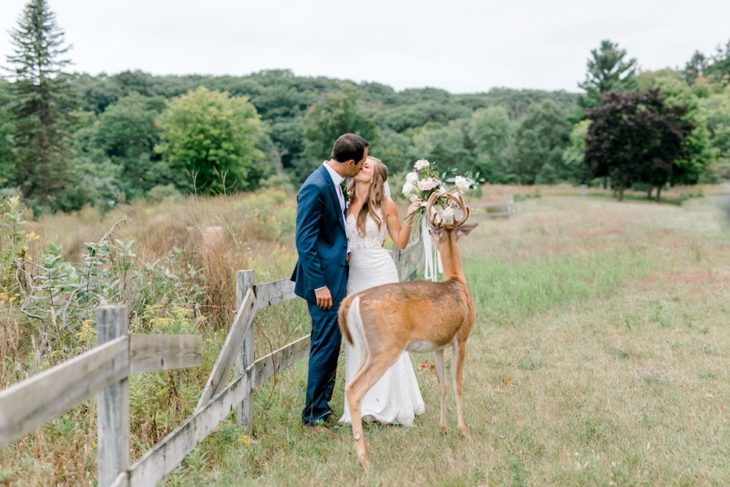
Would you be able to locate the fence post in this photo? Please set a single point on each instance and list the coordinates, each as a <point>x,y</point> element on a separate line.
<point>244,411</point>
<point>112,403</point>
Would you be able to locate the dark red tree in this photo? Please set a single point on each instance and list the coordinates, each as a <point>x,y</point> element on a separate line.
<point>635,137</point>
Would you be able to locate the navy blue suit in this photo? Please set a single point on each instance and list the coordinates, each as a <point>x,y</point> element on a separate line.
<point>322,247</point>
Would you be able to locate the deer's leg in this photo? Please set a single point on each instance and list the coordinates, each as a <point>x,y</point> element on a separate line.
<point>367,376</point>
<point>459,354</point>
<point>439,362</point>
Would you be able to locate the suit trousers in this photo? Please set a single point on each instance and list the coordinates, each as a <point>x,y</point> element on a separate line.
<point>323,354</point>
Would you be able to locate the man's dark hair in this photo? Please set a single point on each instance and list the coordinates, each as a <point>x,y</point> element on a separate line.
<point>349,146</point>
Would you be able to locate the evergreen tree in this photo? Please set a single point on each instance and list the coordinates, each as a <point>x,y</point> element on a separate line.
<point>7,166</point>
<point>695,67</point>
<point>41,103</point>
<point>608,70</point>
<point>719,69</point>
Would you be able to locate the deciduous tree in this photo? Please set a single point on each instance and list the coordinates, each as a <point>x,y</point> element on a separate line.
<point>209,141</point>
<point>335,114</point>
<point>636,137</point>
<point>540,140</point>
<point>491,133</point>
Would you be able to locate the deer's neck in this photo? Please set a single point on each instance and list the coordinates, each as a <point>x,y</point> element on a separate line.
<point>451,259</point>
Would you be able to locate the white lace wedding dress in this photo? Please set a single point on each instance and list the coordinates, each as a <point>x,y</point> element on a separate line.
<point>395,398</point>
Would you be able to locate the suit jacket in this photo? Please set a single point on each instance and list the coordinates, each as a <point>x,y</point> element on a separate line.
<point>321,239</point>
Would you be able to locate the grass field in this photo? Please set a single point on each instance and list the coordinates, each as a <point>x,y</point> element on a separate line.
<point>601,356</point>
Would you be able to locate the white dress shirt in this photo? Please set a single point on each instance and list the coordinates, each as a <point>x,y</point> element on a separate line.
<point>337,181</point>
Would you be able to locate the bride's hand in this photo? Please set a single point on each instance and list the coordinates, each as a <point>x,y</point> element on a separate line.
<point>414,207</point>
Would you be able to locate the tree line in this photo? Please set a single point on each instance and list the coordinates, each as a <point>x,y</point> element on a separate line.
<point>73,139</point>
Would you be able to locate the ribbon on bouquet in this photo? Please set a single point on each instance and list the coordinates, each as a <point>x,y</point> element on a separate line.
<point>431,255</point>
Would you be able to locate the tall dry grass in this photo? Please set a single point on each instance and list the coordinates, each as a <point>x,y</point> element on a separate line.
<point>218,235</point>
<point>202,241</point>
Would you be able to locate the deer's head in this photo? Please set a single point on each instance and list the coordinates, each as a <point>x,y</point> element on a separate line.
<point>448,223</point>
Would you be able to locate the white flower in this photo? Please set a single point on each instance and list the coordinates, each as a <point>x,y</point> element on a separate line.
<point>414,197</point>
<point>421,164</point>
<point>447,215</point>
<point>428,184</point>
<point>463,184</point>
<point>411,177</point>
<point>408,189</point>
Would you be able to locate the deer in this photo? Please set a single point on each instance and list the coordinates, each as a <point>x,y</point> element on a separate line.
<point>418,316</point>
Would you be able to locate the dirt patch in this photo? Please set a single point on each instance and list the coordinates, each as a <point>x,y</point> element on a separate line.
<point>711,277</point>
<point>601,232</point>
<point>692,280</point>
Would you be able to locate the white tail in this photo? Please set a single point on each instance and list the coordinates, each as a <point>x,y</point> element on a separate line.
<point>383,321</point>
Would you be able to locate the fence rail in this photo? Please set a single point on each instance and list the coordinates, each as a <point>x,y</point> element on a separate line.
<point>104,371</point>
<point>503,206</point>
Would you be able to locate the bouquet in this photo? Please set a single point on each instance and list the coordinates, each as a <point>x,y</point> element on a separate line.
<point>420,184</point>
<point>425,180</point>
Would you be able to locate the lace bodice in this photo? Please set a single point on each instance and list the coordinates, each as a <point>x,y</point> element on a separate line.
<point>373,238</point>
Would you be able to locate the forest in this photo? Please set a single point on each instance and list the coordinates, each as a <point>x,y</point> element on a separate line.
<point>69,140</point>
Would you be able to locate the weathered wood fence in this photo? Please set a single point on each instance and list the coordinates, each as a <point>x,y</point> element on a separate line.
<point>104,371</point>
<point>499,206</point>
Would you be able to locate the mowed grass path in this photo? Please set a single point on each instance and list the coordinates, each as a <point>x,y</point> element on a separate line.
<point>600,356</point>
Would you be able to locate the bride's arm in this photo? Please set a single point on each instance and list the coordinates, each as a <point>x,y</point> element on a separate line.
<point>399,232</point>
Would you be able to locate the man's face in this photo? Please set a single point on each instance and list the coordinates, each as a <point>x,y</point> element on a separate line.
<point>354,167</point>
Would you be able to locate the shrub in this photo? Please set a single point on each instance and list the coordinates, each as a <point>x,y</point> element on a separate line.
<point>161,193</point>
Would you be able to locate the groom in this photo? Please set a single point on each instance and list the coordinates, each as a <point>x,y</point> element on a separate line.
<point>321,272</point>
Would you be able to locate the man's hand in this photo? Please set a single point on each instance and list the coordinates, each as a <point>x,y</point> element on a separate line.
<point>324,298</point>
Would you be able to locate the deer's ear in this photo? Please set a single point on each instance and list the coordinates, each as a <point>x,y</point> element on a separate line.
<point>465,230</point>
<point>436,233</point>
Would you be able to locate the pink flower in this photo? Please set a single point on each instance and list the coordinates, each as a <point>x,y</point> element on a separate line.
<point>428,184</point>
<point>421,164</point>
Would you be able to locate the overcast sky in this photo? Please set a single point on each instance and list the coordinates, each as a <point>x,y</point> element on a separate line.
<point>459,45</point>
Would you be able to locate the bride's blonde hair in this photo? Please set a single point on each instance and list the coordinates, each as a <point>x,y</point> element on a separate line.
<point>376,195</point>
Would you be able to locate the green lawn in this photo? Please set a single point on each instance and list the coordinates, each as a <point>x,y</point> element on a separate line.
<point>601,356</point>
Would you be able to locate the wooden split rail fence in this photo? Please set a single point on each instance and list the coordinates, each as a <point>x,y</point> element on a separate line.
<point>105,369</point>
<point>500,206</point>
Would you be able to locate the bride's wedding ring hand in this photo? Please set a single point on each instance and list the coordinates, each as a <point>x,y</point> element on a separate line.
<point>324,298</point>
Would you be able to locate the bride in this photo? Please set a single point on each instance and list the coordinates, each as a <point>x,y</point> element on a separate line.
<point>395,398</point>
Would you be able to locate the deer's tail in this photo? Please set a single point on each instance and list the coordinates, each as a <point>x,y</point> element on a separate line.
<point>349,309</point>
